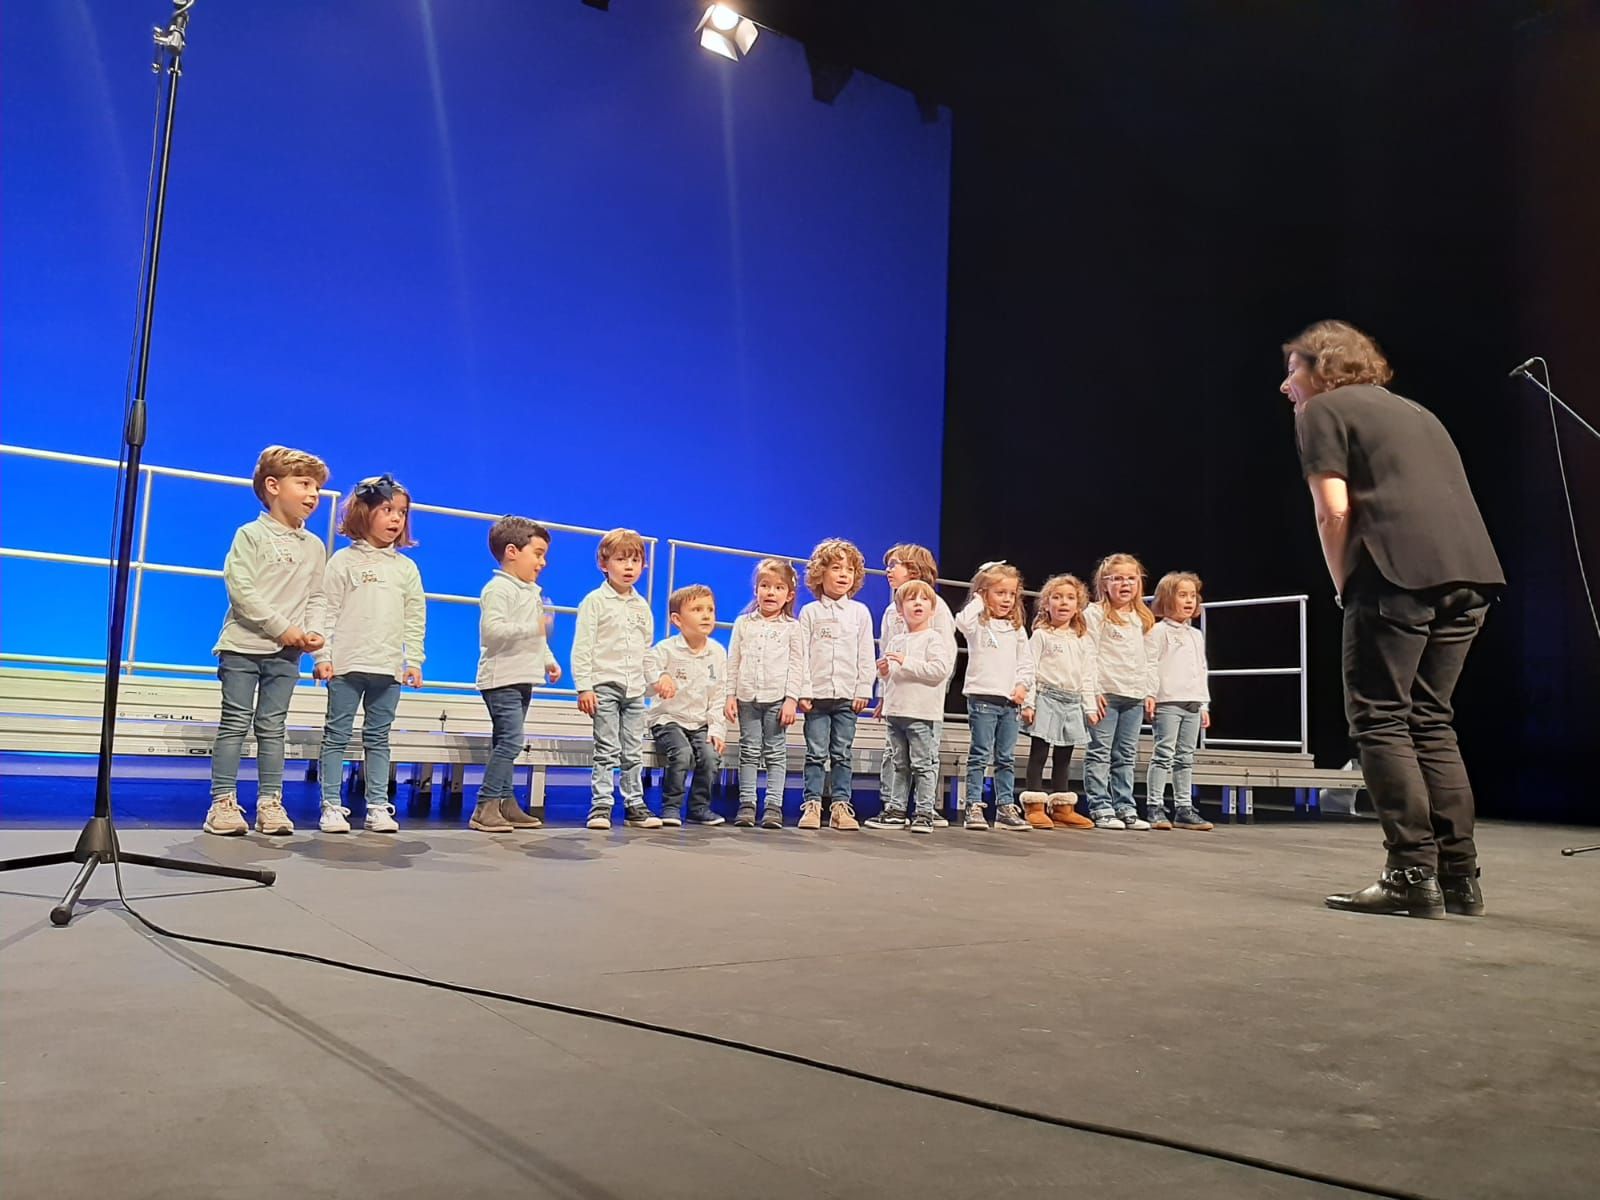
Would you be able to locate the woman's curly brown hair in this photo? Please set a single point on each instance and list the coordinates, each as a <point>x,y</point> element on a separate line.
<point>1338,354</point>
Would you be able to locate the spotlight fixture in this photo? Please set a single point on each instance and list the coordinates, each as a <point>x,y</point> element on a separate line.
<point>723,31</point>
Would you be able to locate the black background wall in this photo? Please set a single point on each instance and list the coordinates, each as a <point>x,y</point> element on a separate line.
<point>1147,211</point>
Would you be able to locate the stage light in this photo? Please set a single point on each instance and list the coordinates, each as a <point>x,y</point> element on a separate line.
<point>723,31</point>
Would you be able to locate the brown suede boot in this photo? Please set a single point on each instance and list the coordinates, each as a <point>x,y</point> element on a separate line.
<point>1064,811</point>
<point>1035,809</point>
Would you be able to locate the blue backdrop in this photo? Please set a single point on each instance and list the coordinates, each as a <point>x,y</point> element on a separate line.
<point>528,256</point>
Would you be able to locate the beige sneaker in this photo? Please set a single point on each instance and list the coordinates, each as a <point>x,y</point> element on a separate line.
<point>486,818</point>
<point>810,815</point>
<point>842,816</point>
<point>223,818</point>
<point>512,812</point>
<point>270,817</point>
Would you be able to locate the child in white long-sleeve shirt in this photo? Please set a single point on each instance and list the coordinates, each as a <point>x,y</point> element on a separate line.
<point>514,655</point>
<point>376,618</point>
<point>904,562</point>
<point>273,574</point>
<point>916,668</point>
<point>1183,702</point>
<point>1064,701</point>
<point>689,675</point>
<point>766,669</point>
<point>615,631</point>
<point>1118,621</point>
<point>836,633</point>
<point>999,678</point>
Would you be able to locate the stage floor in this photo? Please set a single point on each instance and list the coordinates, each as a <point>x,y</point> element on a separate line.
<point>1190,985</point>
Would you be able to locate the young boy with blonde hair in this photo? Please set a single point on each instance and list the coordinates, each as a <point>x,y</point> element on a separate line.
<point>836,635</point>
<point>273,574</point>
<point>690,679</point>
<point>916,669</point>
<point>615,630</point>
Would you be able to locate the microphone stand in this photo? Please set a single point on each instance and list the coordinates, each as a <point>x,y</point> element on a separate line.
<point>97,843</point>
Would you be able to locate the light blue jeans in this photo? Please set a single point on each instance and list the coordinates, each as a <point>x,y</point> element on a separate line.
<point>992,723</point>
<point>763,746</point>
<point>618,745</point>
<point>830,736</point>
<point>914,751</point>
<point>1108,765</point>
<point>377,696</point>
<point>1177,728</point>
<point>275,675</point>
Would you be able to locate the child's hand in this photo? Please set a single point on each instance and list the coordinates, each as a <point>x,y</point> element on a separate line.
<point>666,687</point>
<point>786,714</point>
<point>805,706</point>
<point>731,709</point>
<point>549,623</point>
<point>1099,709</point>
<point>1027,716</point>
<point>877,711</point>
<point>411,677</point>
<point>293,636</point>
<point>883,667</point>
<point>1205,719</point>
<point>718,744</point>
<point>859,703</point>
<point>552,674</point>
<point>1093,718</point>
<point>314,642</point>
<point>895,657</point>
<point>588,703</point>
<point>1019,695</point>
<point>1149,708</point>
<point>322,671</point>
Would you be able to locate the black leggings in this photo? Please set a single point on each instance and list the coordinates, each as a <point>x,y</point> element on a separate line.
<point>1038,751</point>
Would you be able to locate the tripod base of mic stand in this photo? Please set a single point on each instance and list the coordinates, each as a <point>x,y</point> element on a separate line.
<point>95,845</point>
<point>1571,850</point>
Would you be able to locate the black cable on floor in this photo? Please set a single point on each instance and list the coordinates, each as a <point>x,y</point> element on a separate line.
<point>800,1060</point>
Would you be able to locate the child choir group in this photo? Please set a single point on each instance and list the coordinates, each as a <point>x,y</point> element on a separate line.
<point>1089,672</point>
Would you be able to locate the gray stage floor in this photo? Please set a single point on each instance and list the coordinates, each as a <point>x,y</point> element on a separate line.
<point>1188,985</point>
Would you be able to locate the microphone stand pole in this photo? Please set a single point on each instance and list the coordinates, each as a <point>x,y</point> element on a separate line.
<point>98,842</point>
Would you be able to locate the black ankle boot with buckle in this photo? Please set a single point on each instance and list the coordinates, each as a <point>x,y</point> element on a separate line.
<point>1412,891</point>
<point>1462,893</point>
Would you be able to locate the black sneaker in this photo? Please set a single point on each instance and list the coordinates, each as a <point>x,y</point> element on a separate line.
<point>707,818</point>
<point>922,823</point>
<point>642,818</point>
<point>887,820</point>
<point>745,818</point>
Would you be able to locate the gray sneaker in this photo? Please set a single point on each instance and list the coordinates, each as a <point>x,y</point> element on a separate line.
<point>975,818</point>
<point>745,818</point>
<point>923,823</point>
<point>1009,819</point>
<point>642,818</point>
<point>772,816</point>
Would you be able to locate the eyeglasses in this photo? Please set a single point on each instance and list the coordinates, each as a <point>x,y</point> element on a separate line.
<point>1122,579</point>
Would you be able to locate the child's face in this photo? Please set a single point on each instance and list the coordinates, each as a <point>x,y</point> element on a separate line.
<point>837,579</point>
<point>772,594</point>
<point>696,619</point>
<point>917,610</point>
<point>898,573</point>
<point>1000,598</point>
<point>623,569</point>
<point>292,498</point>
<point>388,521</point>
<point>1184,601</point>
<point>1063,605</point>
<point>525,562</point>
<point>1121,582</point>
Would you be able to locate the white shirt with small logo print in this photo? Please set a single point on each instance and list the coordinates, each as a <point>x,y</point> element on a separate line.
<point>375,611</point>
<point>615,630</point>
<point>274,579</point>
<point>701,685</point>
<point>766,661</point>
<point>837,638</point>
<point>1126,666</point>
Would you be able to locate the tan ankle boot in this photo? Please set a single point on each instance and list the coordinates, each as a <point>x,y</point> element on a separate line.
<point>1035,809</point>
<point>512,812</point>
<point>486,818</point>
<point>1064,811</point>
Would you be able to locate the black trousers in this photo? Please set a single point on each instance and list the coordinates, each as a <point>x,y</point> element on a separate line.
<point>685,749</point>
<point>1403,653</point>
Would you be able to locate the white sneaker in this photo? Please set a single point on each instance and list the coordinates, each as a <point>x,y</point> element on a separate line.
<point>223,818</point>
<point>380,818</point>
<point>1134,821</point>
<point>333,819</point>
<point>1109,823</point>
<point>271,817</point>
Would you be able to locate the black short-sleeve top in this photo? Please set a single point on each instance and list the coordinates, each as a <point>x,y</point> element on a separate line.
<point>1411,509</point>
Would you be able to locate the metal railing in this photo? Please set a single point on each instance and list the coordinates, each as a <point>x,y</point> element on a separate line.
<point>142,565</point>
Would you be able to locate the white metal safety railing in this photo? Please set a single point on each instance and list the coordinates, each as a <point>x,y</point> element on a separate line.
<point>1302,744</point>
<point>142,565</point>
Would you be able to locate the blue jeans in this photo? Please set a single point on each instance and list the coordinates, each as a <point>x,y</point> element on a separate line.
<point>914,751</point>
<point>992,723</point>
<point>763,745</point>
<point>1108,765</point>
<point>243,706</point>
<point>685,749</point>
<point>1172,760</point>
<point>830,735</point>
<point>508,712</point>
<point>618,745</point>
<point>377,696</point>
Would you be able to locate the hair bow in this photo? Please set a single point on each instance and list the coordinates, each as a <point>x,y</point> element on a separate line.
<point>376,490</point>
